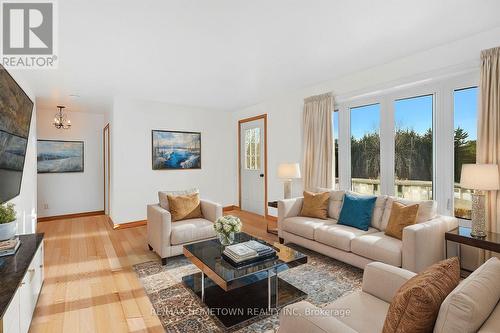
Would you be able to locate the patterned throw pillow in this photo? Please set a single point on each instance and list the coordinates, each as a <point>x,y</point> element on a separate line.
<point>401,217</point>
<point>415,306</point>
<point>315,205</point>
<point>184,207</point>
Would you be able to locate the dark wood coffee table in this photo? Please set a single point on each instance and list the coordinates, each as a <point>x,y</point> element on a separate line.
<point>235,295</point>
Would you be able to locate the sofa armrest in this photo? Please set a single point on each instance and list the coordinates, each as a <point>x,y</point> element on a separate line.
<point>305,317</point>
<point>288,208</point>
<point>159,228</point>
<point>210,210</point>
<point>424,244</point>
<point>383,280</point>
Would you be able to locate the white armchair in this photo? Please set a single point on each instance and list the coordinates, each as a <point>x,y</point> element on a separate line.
<point>167,238</point>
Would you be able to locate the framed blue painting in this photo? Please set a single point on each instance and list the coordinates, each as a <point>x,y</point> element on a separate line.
<point>54,156</point>
<point>175,150</point>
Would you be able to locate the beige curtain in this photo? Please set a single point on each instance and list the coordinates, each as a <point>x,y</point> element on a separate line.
<point>318,147</point>
<point>488,140</point>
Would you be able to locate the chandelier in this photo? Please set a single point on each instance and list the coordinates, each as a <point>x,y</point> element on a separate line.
<point>60,120</point>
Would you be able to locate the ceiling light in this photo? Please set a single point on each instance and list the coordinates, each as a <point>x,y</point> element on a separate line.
<point>60,119</point>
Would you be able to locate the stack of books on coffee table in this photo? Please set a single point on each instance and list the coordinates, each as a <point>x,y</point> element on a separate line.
<point>9,246</point>
<point>248,252</point>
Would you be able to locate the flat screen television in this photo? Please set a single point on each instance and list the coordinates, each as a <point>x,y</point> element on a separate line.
<point>15,118</point>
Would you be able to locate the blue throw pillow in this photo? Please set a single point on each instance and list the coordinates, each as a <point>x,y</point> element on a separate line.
<point>357,211</point>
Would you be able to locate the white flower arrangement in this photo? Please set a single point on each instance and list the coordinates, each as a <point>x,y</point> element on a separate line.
<point>227,224</point>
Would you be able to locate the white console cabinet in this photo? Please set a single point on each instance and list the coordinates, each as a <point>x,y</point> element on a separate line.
<point>19,312</point>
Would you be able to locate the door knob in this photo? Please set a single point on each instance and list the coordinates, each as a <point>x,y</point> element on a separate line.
<point>261,175</point>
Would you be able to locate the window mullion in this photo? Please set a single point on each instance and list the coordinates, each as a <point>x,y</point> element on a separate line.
<point>387,147</point>
<point>443,157</point>
<point>344,148</point>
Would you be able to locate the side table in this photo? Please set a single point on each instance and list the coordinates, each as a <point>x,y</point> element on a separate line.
<point>273,204</point>
<point>461,235</point>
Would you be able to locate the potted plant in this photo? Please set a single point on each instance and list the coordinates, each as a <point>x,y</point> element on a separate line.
<point>226,227</point>
<point>7,221</point>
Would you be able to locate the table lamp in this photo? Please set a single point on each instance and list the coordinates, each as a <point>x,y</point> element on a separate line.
<point>287,172</point>
<point>480,178</point>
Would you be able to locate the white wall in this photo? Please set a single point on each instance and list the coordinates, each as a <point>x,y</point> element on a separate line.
<point>26,200</point>
<point>133,182</point>
<point>69,193</point>
<point>285,111</point>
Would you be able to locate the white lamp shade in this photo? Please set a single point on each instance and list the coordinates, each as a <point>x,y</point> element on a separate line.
<point>289,170</point>
<point>480,177</point>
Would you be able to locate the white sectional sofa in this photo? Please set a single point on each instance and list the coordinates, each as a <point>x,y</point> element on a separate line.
<point>473,306</point>
<point>422,244</point>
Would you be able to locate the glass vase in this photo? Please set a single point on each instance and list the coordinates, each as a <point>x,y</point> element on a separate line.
<point>226,239</point>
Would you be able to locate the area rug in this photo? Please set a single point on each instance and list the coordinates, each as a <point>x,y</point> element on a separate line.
<point>323,279</point>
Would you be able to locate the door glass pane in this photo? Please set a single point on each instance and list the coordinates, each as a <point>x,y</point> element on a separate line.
<point>365,149</point>
<point>414,148</point>
<point>336,144</point>
<point>252,149</point>
<point>465,135</point>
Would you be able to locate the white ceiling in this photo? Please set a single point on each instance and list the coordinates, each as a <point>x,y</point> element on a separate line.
<point>226,54</point>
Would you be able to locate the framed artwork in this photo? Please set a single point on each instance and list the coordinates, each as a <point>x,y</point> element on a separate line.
<point>16,109</point>
<point>56,156</point>
<point>174,150</point>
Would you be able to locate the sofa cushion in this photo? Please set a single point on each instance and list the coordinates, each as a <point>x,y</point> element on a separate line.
<point>401,217</point>
<point>367,312</point>
<point>304,317</point>
<point>303,226</point>
<point>378,211</point>
<point>335,204</point>
<point>491,324</point>
<point>184,207</point>
<point>315,205</point>
<point>162,196</point>
<point>427,210</point>
<point>379,247</point>
<point>415,306</point>
<point>339,236</point>
<point>187,231</point>
<point>469,305</point>
<point>357,211</point>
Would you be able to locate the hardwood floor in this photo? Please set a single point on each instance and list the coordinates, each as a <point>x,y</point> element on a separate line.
<point>255,225</point>
<point>90,285</point>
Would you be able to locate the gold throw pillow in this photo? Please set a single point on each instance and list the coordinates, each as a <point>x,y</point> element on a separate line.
<point>401,217</point>
<point>315,205</point>
<point>183,207</point>
<point>415,306</point>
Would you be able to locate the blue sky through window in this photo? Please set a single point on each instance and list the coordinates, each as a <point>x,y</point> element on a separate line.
<point>414,113</point>
<point>364,120</point>
<point>465,107</point>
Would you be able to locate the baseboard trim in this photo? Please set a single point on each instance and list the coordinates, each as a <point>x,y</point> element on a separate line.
<point>69,216</point>
<point>127,225</point>
<point>229,208</point>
